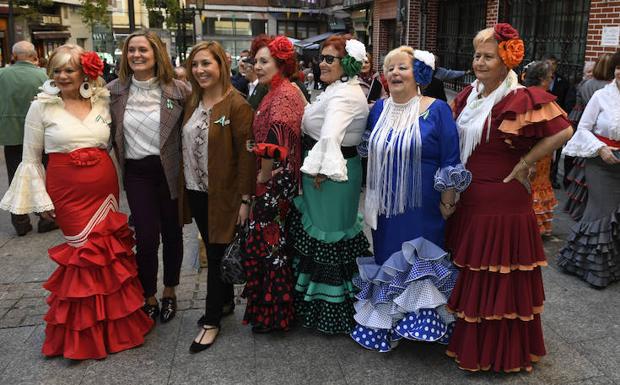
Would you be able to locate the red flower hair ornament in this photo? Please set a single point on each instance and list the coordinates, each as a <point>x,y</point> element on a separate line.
<point>281,48</point>
<point>92,66</point>
<point>510,47</point>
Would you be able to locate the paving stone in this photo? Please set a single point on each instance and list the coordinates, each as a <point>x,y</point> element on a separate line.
<point>604,353</point>
<point>29,367</point>
<point>12,341</point>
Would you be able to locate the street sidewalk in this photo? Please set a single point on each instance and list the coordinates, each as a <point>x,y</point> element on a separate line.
<point>581,325</point>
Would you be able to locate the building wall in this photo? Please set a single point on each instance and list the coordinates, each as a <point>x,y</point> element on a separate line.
<point>422,31</point>
<point>384,15</point>
<point>80,32</point>
<point>492,12</point>
<point>602,13</point>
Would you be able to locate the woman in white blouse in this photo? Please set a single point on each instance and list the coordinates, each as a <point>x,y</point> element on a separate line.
<point>147,110</point>
<point>95,296</point>
<point>592,251</point>
<point>326,230</point>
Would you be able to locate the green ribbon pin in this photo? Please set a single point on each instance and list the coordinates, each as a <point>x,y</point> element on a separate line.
<point>169,104</point>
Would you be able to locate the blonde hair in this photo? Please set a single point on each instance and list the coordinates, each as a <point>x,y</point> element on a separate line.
<point>402,49</point>
<point>163,67</point>
<point>219,54</point>
<point>484,36</point>
<point>69,54</point>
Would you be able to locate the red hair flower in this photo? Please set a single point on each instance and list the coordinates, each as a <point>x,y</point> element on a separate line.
<point>505,31</point>
<point>281,48</point>
<point>92,66</point>
<point>511,52</point>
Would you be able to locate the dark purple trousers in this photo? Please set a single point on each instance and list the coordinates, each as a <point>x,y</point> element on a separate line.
<point>154,214</point>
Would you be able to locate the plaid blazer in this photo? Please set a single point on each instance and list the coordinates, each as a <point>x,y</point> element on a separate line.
<point>171,116</point>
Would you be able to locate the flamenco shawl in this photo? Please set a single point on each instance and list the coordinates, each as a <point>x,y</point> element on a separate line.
<point>477,113</point>
<point>392,189</point>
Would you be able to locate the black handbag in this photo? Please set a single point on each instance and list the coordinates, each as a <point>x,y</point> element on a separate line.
<point>231,267</point>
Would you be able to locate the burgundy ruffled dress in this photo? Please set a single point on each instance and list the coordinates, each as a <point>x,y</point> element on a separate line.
<point>494,240</point>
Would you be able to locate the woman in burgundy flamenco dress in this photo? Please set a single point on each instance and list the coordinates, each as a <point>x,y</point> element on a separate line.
<point>95,305</point>
<point>493,235</point>
<point>277,132</point>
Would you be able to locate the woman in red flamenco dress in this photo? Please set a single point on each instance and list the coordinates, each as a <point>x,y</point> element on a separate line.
<point>96,298</point>
<point>277,132</point>
<point>493,235</point>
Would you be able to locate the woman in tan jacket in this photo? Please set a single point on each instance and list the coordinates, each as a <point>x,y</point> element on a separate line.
<point>219,172</point>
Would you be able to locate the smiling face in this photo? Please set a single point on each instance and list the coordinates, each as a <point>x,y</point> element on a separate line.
<point>365,66</point>
<point>141,58</point>
<point>68,77</point>
<point>399,75</point>
<point>206,70</point>
<point>265,67</point>
<point>330,72</point>
<point>488,66</point>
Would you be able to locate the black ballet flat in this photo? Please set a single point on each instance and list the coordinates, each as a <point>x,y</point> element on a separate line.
<point>151,310</point>
<point>197,347</point>
<point>168,309</point>
<point>227,310</point>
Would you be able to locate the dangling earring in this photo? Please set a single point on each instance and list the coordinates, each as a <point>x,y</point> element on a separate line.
<point>85,89</point>
<point>344,78</point>
<point>49,87</point>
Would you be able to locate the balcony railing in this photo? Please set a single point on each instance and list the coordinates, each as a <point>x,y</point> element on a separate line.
<point>353,3</point>
<point>298,3</point>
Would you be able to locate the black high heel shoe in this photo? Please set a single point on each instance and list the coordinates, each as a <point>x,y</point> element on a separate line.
<point>197,347</point>
<point>151,310</point>
<point>168,309</point>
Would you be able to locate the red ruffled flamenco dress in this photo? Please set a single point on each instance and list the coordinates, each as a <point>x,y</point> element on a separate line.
<point>494,239</point>
<point>96,298</point>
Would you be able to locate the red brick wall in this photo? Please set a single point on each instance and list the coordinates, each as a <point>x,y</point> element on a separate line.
<point>602,13</point>
<point>415,23</point>
<point>383,12</point>
<point>492,12</point>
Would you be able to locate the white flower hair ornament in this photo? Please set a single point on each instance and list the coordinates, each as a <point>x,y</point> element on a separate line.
<point>356,49</point>
<point>352,62</point>
<point>423,67</point>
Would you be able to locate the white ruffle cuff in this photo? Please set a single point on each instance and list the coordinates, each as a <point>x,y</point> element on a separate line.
<point>326,158</point>
<point>583,144</point>
<point>27,192</point>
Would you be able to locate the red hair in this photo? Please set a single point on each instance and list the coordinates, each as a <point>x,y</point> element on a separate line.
<point>339,42</point>
<point>287,67</point>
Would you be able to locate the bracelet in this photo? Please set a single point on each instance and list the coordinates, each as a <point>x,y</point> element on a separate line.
<point>245,202</point>
<point>448,205</point>
<point>525,163</point>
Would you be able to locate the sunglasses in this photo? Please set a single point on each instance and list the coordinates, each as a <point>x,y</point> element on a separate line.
<point>329,59</point>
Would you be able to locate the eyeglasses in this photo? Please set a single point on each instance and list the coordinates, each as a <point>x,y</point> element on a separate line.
<point>329,59</point>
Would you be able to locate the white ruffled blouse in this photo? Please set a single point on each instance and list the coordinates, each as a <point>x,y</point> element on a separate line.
<point>337,118</point>
<point>50,127</point>
<point>601,117</point>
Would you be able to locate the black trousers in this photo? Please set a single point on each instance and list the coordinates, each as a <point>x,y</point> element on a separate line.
<point>154,215</point>
<point>218,293</point>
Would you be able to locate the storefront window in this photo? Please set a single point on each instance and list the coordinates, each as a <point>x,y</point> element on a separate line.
<point>297,29</point>
<point>233,27</point>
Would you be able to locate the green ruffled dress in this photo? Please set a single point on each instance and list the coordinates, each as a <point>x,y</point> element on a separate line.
<point>326,236</point>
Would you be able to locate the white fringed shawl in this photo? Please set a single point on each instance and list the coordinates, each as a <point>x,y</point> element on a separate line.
<point>477,112</point>
<point>390,190</point>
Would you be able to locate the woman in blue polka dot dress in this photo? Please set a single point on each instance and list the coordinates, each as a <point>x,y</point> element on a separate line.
<point>414,173</point>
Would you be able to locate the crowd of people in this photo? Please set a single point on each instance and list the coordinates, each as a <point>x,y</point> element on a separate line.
<point>456,196</point>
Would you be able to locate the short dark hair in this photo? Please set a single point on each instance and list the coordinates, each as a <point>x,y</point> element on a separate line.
<point>615,61</point>
<point>551,57</point>
<point>536,72</point>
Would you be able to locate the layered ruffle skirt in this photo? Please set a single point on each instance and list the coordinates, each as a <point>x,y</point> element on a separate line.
<point>543,196</point>
<point>499,294</point>
<point>325,238</point>
<point>405,297</point>
<point>577,190</point>
<point>96,297</point>
<point>592,251</point>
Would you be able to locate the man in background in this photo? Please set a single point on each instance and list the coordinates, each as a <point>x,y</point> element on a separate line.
<point>19,84</point>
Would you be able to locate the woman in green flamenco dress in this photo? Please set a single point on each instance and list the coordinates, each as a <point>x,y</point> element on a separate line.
<point>325,229</point>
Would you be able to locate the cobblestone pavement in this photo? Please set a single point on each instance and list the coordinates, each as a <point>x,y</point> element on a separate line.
<point>581,325</point>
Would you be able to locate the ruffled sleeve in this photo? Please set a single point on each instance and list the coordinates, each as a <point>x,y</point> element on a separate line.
<point>451,174</point>
<point>27,192</point>
<point>584,143</point>
<point>531,113</point>
<point>326,157</point>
